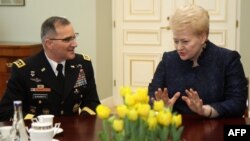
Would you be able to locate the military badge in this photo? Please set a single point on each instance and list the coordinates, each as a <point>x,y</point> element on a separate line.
<point>45,111</point>
<point>40,96</point>
<point>43,69</point>
<point>40,86</point>
<point>19,63</point>
<point>40,101</point>
<point>86,57</point>
<point>79,66</point>
<point>32,109</point>
<point>37,80</point>
<point>76,108</point>
<point>76,91</point>
<point>81,80</point>
<point>32,73</point>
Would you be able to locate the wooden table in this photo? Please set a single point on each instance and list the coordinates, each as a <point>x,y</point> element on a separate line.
<point>86,128</point>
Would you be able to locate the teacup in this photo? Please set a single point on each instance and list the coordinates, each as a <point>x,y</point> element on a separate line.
<point>41,125</point>
<point>40,131</point>
<point>44,118</point>
<point>5,131</point>
<point>41,135</point>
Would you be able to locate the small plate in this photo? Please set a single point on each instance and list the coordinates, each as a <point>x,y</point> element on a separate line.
<point>59,130</point>
<point>55,140</point>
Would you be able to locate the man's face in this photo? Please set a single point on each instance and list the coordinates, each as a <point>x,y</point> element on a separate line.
<point>62,46</point>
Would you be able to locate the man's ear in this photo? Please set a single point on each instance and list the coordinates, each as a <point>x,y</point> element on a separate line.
<point>48,43</point>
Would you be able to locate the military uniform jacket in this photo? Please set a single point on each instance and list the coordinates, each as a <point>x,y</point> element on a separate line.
<point>34,82</point>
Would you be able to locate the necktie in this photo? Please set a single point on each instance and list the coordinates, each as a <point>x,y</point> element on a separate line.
<point>60,77</point>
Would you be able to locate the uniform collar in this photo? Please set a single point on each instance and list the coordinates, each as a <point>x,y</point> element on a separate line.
<point>54,64</point>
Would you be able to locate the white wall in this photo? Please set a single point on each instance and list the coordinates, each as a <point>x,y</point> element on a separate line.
<point>104,47</point>
<point>244,35</point>
<point>22,23</point>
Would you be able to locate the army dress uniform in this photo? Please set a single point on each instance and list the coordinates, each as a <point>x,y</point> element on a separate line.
<point>34,82</point>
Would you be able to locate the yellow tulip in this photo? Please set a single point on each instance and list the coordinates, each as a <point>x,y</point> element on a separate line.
<point>164,118</point>
<point>158,105</point>
<point>143,110</point>
<point>132,114</point>
<point>103,112</point>
<point>130,100</point>
<point>177,120</point>
<point>142,95</point>
<point>152,113</point>
<point>125,90</point>
<point>118,125</point>
<point>122,110</point>
<point>152,122</point>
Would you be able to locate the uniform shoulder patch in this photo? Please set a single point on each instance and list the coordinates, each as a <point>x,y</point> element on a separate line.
<point>86,57</point>
<point>19,63</point>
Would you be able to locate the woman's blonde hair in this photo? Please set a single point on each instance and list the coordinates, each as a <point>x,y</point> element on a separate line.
<point>191,17</point>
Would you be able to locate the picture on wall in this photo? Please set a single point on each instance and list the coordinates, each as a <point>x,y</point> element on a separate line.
<point>12,2</point>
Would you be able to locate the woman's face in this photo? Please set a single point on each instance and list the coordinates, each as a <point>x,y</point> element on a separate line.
<point>188,44</point>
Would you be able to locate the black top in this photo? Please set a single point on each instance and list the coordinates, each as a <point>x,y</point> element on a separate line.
<point>219,80</point>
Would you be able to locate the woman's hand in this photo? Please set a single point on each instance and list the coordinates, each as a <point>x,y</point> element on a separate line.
<point>163,95</point>
<point>193,101</point>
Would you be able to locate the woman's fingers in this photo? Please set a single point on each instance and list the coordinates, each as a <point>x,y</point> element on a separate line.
<point>158,94</point>
<point>162,95</point>
<point>172,101</point>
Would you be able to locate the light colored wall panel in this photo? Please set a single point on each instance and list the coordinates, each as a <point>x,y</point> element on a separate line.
<point>142,37</point>
<point>135,11</point>
<point>179,3</point>
<point>218,37</point>
<point>141,72</point>
<point>216,8</point>
<point>140,68</point>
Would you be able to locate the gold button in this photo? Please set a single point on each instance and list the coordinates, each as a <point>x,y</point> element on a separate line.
<point>40,102</point>
<point>62,112</point>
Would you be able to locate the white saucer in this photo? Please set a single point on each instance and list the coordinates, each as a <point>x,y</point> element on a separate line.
<point>59,130</point>
<point>55,140</point>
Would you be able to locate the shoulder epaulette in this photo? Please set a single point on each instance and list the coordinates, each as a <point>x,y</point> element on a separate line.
<point>19,63</point>
<point>86,57</point>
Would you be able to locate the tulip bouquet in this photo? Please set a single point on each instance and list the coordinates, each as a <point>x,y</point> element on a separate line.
<point>136,120</point>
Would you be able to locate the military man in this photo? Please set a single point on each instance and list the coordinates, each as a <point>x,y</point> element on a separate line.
<point>34,80</point>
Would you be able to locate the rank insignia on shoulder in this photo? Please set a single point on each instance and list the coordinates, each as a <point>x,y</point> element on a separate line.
<point>19,63</point>
<point>86,57</point>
